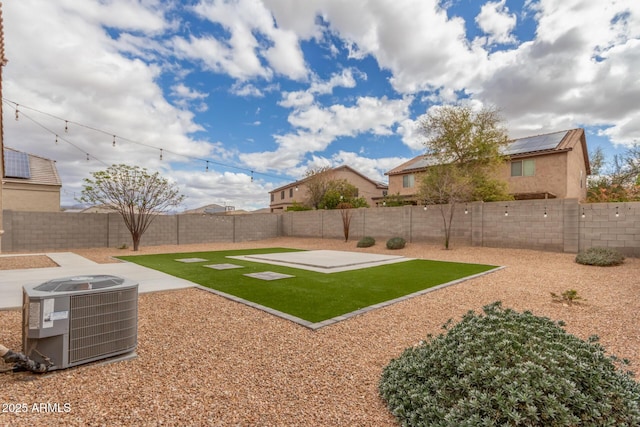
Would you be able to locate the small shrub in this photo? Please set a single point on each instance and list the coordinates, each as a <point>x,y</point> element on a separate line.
<point>505,368</point>
<point>123,246</point>
<point>396,243</point>
<point>569,296</point>
<point>366,242</point>
<point>602,257</point>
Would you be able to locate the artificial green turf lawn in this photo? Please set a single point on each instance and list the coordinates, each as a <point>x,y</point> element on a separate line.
<point>309,295</point>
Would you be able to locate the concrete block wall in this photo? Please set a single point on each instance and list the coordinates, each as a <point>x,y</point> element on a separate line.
<point>523,224</point>
<point>615,225</point>
<point>38,231</point>
<point>254,227</point>
<point>567,227</point>
<point>204,229</point>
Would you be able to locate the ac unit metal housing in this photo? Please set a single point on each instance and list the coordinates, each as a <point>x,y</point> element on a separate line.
<point>75,320</point>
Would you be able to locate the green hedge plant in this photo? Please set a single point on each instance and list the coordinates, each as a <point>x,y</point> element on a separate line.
<point>505,368</point>
<point>366,242</point>
<point>396,243</point>
<point>603,257</point>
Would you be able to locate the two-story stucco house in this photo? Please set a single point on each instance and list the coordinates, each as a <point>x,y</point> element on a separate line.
<point>553,165</point>
<point>283,197</point>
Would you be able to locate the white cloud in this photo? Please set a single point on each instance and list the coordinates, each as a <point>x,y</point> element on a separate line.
<point>64,64</point>
<point>572,74</point>
<point>241,54</point>
<point>317,127</point>
<point>223,188</point>
<point>496,21</point>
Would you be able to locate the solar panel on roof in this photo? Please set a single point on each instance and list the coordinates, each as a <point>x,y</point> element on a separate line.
<point>420,163</point>
<point>535,143</point>
<point>16,164</point>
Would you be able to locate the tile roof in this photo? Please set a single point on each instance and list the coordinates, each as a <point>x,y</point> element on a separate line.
<point>538,144</point>
<point>28,168</point>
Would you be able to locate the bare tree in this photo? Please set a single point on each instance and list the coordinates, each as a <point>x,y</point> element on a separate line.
<point>346,212</point>
<point>446,186</point>
<point>135,194</point>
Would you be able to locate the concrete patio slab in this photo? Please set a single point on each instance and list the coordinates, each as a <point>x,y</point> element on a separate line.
<point>324,261</point>
<point>70,264</point>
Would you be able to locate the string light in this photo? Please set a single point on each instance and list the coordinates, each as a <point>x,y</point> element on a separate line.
<point>583,212</point>
<point>56,139</point>
<point>506,210</point>
<point>114,141</point>
<point>207,168</point>
<point>466,210</point>
<point>545,211</point>
<point>251,176</point>
<point>617,214</point>
<point>87,156</point>
<point>20,109</point>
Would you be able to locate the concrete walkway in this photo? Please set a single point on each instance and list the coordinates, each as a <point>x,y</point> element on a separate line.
<point>70,264</point>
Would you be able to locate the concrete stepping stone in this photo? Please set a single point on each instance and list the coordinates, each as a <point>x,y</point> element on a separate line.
<point>223,266</point>
<point>191,260</point>
<point>268,275</point>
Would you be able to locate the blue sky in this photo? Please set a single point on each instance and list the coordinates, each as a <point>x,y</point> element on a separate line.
<point>244,96</point>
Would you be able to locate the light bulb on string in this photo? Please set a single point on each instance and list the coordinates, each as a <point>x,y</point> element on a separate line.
<point>206,169</point>
<point>66,126</point>
<point>56,139</point>
<point>87,156</point>
<point>161,154</point>
<point>251,176</point>
<point>114,141</point>
<point>17,113</point>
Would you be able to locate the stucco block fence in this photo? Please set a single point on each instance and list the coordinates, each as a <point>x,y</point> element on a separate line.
<point>550,225</point>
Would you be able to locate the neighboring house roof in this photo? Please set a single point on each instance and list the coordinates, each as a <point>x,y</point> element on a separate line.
<point>378,184</point>
<point>212,208</point>
<point>28,168</point>
<point>522,147</point>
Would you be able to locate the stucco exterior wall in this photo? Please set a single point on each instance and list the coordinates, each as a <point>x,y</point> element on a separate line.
<point>30,198</point>
<point>576,174</point>
<point>550,176</point>
<point>396,188</point>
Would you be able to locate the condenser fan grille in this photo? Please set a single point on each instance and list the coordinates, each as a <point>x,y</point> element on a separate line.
<point>102,323</point>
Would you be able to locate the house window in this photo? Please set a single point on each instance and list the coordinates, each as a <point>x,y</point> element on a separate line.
<point>408,181</point>
<point>272,197</point>
<point>523,168</point>
<point>291,192</point>
<point>282,195</point>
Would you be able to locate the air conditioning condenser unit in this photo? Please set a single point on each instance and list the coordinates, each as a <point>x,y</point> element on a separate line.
<point>75,320</point>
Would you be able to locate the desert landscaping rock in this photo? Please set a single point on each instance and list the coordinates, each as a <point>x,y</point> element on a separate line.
<point>206,360</point>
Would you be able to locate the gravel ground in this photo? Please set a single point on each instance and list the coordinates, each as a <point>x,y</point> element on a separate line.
<point>204,360</point>
<point>12,262</point>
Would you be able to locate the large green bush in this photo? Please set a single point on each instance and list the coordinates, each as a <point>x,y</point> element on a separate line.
<point>366,242</point>
<point>602,257</point>
<point>396,243</point>
<point>505,368</point>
